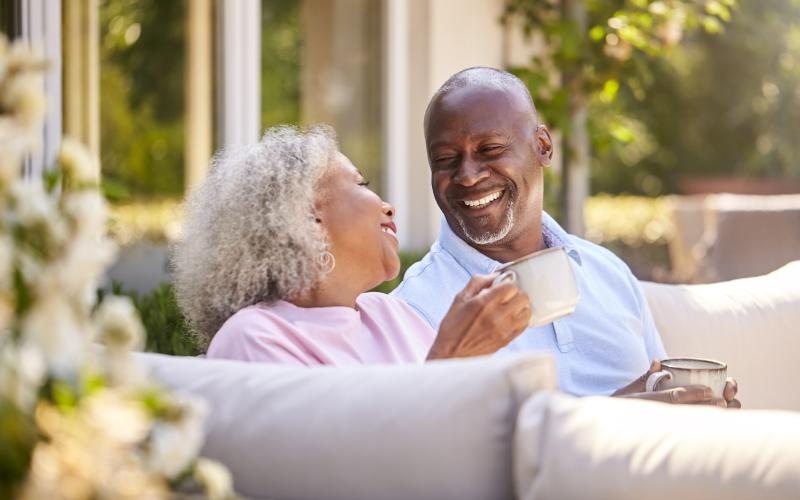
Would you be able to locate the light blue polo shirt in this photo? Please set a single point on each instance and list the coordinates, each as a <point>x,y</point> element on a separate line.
<point>605,344</point>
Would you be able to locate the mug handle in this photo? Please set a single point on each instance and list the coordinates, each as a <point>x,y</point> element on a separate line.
<point>507,275</point>
<point>655,378</point>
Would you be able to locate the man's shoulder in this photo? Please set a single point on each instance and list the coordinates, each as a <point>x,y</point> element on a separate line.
<point>598,256</point>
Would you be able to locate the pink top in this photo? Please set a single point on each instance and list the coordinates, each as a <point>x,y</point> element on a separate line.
<point>383,329</point>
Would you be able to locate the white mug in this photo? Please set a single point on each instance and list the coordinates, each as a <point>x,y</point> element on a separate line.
<point>548,279</point>
<point>676,372</point>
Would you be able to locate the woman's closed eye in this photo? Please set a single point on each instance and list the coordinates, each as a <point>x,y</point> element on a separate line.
<point>363,182</point>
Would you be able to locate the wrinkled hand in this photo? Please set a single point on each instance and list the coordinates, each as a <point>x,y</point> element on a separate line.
<point>688,394</point>
<point>482,319</point>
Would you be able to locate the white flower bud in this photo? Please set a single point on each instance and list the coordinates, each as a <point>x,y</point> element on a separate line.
<point>215,479</point>
<point>119,325</point>
<point>78,163</point>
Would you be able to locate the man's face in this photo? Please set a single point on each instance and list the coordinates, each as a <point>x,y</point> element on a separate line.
<point>485,151</point>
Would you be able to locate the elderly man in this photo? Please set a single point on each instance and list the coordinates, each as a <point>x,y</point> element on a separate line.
<point>487,151</point>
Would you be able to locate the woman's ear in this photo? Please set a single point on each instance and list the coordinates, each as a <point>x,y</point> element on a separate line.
<point>544,145</point>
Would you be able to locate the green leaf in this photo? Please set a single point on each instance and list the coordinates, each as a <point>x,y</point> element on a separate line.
<point>609,92</point>
<point>597,33</point>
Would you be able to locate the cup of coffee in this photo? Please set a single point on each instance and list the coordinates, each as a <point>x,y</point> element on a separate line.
<point>548,279</point>
<point>676,372</point>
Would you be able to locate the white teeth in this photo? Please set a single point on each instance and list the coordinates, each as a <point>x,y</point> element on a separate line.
<point>386,229</point>
<point>483,201</point>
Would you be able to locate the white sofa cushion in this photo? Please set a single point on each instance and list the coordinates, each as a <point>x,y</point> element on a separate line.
<point>608,448</point>
<point>442,430</point>
<point>753,324</point>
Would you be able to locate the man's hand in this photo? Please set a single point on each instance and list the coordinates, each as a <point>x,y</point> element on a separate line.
<point>482,319</point>
<point>689,394</point>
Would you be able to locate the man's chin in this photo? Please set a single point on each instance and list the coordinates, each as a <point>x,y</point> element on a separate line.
<point>486,233</point>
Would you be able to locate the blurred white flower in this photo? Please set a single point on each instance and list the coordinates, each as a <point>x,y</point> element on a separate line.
<point>118,324</point>
<point>105,440</point>
<point>118,417</point>
<point>31,203</point>
<point>80,460</point>
<point>6,262</point>
<point>52,327</point>
<point>78,163</point>
<point>215,479</point>
<point>22,371</point>
<point>23,96</point>
<point>87,209</point>
<point>176,441</point>
<point>12,149</point>
<point>76,273</point>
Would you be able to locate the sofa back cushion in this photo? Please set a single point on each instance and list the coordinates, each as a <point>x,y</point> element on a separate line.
<point>753,324</point>
<point>440,430</point>
<point>616,449</point>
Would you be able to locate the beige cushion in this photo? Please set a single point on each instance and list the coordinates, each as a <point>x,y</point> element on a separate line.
<point>753,324</point>
<point>608,448</point>
<point>442,430</point>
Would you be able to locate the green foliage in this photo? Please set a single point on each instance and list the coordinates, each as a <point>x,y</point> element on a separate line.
<point>166,327</point>
<point>18,436</point>
<point>281,40</point>
<point>724,104</point>
<point>609,53</point>
<point>613,55</point>
<point>141,99</point>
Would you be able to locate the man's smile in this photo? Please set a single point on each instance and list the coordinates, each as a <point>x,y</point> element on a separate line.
<point>483,201</point>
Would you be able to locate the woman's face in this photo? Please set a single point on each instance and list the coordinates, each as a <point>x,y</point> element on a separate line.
<point>359,225</point>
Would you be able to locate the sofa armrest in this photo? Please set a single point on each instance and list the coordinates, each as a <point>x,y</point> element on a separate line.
<point>617,449</point>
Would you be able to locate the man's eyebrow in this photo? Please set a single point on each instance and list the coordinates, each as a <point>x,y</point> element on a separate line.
<point>478,136</point>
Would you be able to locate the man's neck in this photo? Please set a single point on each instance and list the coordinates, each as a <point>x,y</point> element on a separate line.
<point>523,244</point>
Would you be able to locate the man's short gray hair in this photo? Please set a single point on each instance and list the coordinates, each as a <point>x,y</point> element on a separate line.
<point>249,233</point>
<point>482,76</point>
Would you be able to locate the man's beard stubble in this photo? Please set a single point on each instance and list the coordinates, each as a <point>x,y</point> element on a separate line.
<point>491,237</point>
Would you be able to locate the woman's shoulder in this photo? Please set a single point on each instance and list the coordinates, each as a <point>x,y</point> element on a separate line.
<point>255,321</point>
<point>254,333</point>
<point>382,303</point>
<point>379,299</point>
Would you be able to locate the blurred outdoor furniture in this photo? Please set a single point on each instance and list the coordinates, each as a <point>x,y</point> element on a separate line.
<point>496,428</point>
<point>726,236</point>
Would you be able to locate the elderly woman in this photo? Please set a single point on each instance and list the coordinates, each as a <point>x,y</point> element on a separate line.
<point>281,244</point>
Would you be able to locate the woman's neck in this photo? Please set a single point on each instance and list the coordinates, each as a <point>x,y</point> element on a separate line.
<point>330,292</point>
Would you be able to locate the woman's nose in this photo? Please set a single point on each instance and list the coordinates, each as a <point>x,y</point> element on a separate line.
<point>388,209</point>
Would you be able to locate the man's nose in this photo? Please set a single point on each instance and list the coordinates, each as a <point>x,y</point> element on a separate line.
<point>470,172</point>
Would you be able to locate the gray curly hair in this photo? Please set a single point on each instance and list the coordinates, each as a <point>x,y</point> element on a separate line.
<point>249,233</point>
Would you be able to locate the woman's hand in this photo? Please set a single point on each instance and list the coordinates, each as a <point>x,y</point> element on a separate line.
<point>482,319</point>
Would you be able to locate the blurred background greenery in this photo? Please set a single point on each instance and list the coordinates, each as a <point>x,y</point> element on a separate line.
<point>723,103</point>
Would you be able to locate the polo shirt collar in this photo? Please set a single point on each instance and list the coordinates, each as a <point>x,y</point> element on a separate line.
<point>475,262</point>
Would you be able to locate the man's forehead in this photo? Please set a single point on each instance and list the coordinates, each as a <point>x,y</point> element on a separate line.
<point>477,111</point>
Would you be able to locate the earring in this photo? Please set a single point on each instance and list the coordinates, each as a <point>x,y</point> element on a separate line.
<point>327,261</point>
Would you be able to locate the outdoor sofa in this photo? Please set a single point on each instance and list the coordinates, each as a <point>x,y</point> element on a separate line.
<point>496,427</point>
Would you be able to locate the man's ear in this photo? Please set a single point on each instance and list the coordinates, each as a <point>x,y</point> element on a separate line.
<point>544,146</point>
